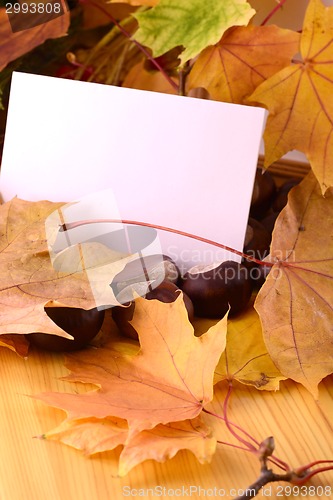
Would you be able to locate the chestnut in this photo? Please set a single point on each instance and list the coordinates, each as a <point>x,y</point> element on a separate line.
<point>122,315</point>
<point>269,222</point>
<point>164,292</point>
<point>256,244</point>
<point>150,268</point>
<point>82,324</point>
<point>168,292</point>
<point>257,240</point>
<point>264,190</point>
<point>214,287</point>
<point>281,198</point>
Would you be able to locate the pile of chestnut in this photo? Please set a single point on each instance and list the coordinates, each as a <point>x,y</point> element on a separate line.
<point>207,291</point>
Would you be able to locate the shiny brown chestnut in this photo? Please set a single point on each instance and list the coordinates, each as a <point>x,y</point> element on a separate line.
<point>264,190</point>
<point>256,244</point>
<point>212,289</point>
<point>257,241</point>
<point>281,198</point>
<point>82,324</point>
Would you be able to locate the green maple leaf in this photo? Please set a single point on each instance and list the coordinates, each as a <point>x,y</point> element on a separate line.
<point>193,24</point>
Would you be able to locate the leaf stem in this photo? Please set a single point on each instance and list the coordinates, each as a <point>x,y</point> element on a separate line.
<point>182,73</point>
<point>232,445</point>
<point>247,444</point>
<point>233,424</point>
<point>304,473</point>
<point>272,12</point>
<point>72,225</point>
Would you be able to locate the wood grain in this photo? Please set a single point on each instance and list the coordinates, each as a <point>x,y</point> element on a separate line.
<point>33,469</point>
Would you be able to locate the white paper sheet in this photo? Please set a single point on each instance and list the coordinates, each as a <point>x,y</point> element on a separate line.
<point>174,161</point>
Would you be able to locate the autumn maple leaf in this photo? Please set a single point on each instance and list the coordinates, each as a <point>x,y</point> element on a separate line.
<point>93,435</point>
<point>243,58</point>
<point>170,379</point>
<point>299,98</point>
<point>296,302</point>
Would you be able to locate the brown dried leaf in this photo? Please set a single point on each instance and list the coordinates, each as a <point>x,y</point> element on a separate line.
<point>296,302</point>
<point>14,45</point>
<point>29,281</point>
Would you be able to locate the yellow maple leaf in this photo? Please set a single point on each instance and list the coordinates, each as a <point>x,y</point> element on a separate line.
<point>299,99</point>
<point>245,358</point>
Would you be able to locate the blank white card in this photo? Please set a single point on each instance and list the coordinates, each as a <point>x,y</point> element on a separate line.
<point>179,162</point>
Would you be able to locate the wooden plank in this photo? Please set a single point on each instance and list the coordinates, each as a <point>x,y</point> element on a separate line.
<point>33,469</point>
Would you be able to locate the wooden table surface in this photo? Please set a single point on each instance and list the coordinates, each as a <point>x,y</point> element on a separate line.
<point>33,469</point>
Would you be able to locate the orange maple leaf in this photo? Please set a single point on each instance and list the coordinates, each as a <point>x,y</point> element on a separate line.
<point>170,379</point>
<point>244,58</point>
<point>296,302</point>
<point>299,99</point>
<point>93,435</point>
